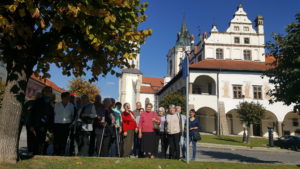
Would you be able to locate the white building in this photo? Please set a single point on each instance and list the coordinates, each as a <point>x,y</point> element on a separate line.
<point>226,68</point>
<point>134,87</point>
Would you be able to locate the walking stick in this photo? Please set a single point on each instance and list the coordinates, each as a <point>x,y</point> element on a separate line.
<point>101,141</point>
<point>68,144</point>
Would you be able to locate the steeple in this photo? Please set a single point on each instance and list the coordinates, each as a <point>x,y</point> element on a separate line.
<point>184,36</point>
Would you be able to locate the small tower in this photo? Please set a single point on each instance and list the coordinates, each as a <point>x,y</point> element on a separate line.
<point>183,44</point>
<point>259,24</point>
<point>130,82</point>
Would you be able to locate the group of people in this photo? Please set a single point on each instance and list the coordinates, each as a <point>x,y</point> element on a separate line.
<point>75,126</point>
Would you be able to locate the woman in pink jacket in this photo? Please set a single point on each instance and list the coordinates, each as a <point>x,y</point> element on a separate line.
<point>147,132</point>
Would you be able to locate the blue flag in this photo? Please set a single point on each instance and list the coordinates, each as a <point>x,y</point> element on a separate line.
<point>185,67</point>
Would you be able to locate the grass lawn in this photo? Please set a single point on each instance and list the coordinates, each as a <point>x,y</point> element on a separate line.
<point>97,163</point>
<point>234,140</point>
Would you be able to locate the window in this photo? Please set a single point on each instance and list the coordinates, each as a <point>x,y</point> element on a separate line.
<point>219,53</point>
<point>246,28</point>
<point>171,67</point>
<point>247,54</point>
<point>236,28</point>
<point>257,92</point>
<point>237,91</point>
<point>295,122</point>
<point>246,40</point>
<point>236,40</point>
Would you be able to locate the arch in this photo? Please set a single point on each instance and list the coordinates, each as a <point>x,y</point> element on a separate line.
<point>205,85</point>
<point>235,125</point>
<point>291,123</point>
<point>208,119</point>
<point>270,120</point>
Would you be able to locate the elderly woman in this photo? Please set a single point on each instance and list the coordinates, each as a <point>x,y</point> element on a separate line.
<point>129,128</point>
<point>147,133</point>
<point>162,134</point>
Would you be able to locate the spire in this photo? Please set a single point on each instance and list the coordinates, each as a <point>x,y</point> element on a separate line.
<point>240,6</point>
<point>184,36</point>
<point>214,28</point>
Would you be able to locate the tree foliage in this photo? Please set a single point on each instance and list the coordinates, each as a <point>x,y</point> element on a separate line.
<point>81,87</point>
<point>177,99</point>
<point>285,74</point>
<point>250,112</point>
<point>74,35</point>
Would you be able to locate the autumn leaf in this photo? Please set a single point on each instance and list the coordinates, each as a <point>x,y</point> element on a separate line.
<point>36,13</point>
<point>109,18</point>
<point>42,22</point>
<point>11,8</point>
<point>59,45</point>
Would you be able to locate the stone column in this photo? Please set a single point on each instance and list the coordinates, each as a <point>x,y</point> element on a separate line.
<point>251,130</point>
<point>279,128</point>
<point>190,88</point>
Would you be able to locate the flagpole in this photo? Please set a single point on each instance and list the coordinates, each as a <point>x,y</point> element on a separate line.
<point>187,112</point>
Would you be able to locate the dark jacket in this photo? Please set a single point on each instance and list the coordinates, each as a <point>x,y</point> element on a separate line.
<point>42,113</point>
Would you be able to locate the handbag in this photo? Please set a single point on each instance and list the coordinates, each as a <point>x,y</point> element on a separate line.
<point>197,136</point>
<point>156,126</point>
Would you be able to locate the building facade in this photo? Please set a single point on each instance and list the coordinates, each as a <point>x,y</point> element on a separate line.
<point>226,68</point>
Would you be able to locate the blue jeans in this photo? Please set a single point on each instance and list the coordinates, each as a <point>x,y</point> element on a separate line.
<point>194,143</point>
<point>183,146</point>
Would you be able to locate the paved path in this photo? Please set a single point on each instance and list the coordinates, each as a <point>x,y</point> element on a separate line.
<point>234,155</point>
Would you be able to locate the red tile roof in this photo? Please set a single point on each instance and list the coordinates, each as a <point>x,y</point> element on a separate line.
<point>232,65</point>
<point>155,85</point>
<point>153,81</point>
<point>148,89</point>
<point>47,83</point>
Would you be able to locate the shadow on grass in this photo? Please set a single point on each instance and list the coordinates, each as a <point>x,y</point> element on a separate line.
<point>228,139</point>
<point>234,157</point>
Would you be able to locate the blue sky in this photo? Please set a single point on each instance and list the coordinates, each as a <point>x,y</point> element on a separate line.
<point>165,18</point>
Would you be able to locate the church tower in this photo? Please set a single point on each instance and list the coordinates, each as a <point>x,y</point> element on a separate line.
<point>130,83</point>
<point>177,53</point>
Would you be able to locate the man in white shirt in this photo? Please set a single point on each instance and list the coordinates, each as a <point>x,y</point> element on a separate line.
<point>87,114</point>
<point>174,132</point>
<point>63,117</point>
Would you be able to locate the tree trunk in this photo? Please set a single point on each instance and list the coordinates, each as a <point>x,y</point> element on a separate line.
<point>248,133</point>
<point>10,115</point>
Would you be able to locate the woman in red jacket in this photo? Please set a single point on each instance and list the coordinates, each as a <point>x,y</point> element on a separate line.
<point>128,127</point>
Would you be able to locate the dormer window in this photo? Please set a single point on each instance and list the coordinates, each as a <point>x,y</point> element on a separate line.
<point>219,54</point>
<point>247,54</point>
<point>246,28</point>
<point>236,28</point>
<point>236,40</point>
<point>246,40</point>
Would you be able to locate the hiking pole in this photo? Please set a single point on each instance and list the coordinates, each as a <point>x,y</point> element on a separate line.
<point>68,144</point>
<point>101,141</point>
